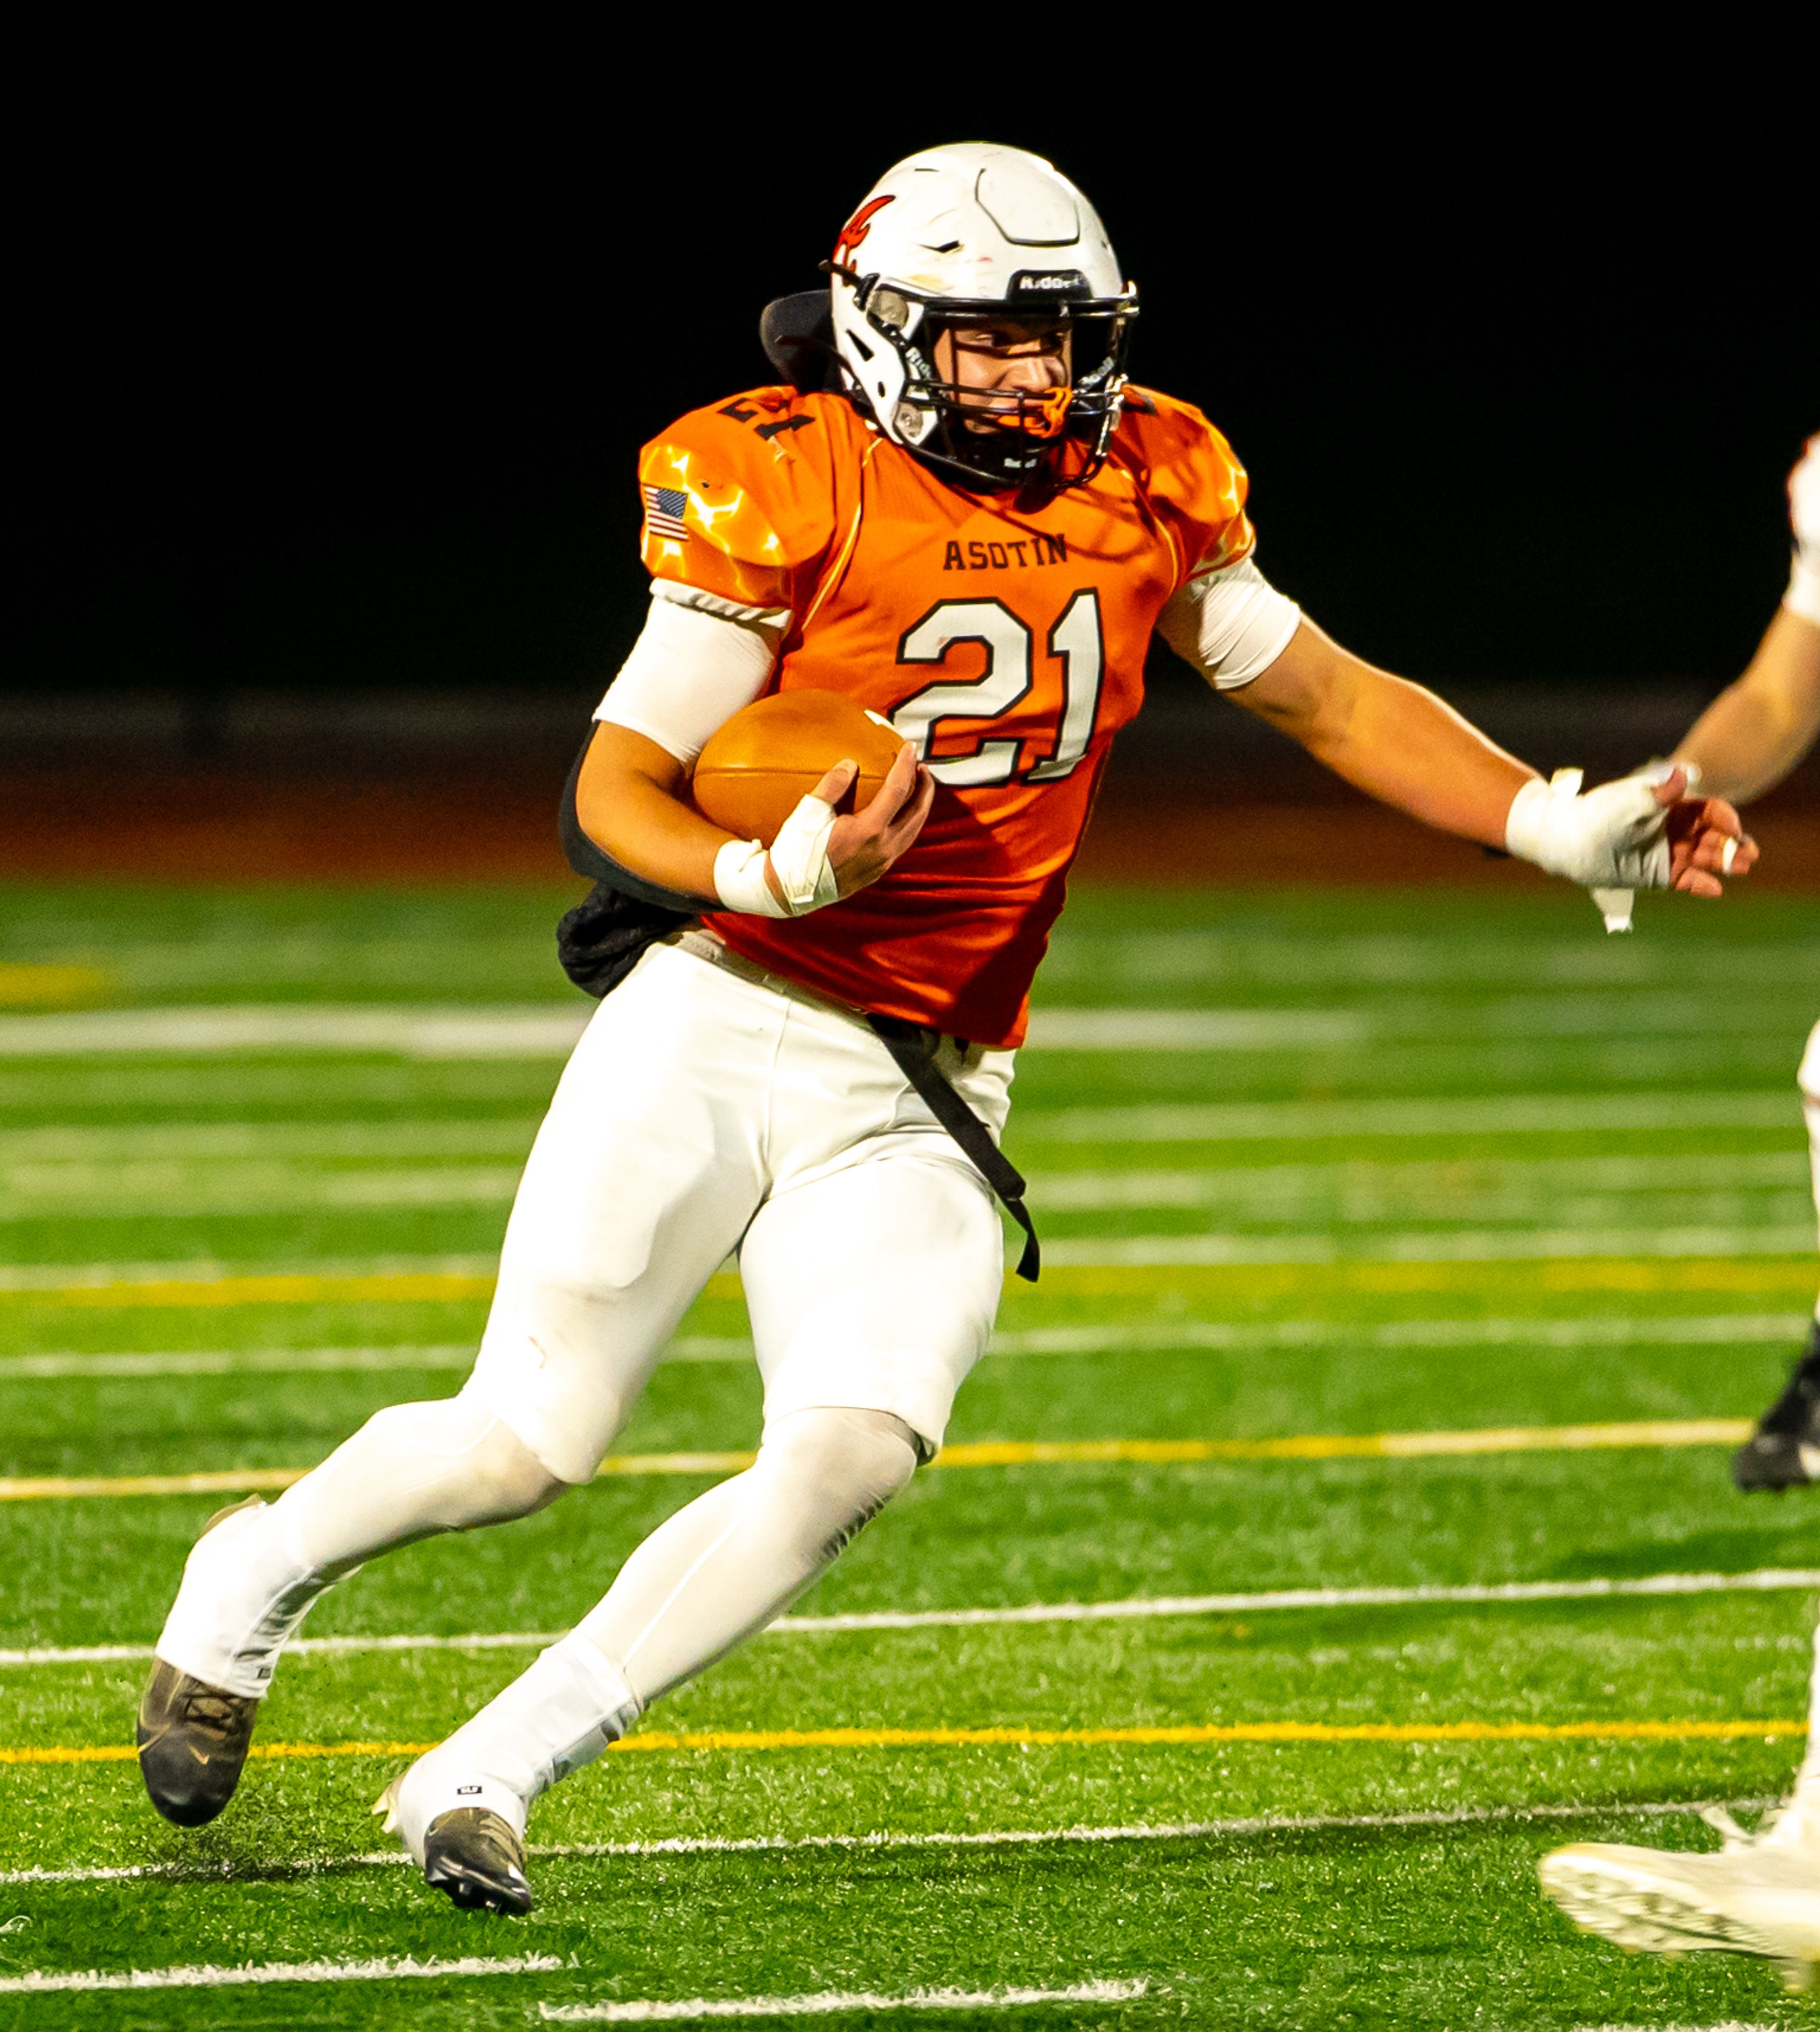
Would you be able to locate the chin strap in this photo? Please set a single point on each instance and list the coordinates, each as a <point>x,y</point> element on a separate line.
<point>912,1046</point>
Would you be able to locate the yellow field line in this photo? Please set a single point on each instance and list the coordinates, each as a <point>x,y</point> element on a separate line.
<point>1044,1739</point>
<point>1015,1453</point>
<point>414,1287</point>
<point>1261,1281</point>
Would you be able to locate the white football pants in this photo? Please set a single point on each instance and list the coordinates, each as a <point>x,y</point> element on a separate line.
<point>706,1108</point>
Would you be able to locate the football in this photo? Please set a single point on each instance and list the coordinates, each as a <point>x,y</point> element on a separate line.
<point>753,772</point>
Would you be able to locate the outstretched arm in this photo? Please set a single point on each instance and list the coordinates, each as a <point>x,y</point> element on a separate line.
<point>1402,746</point>
<point>1393,739</point>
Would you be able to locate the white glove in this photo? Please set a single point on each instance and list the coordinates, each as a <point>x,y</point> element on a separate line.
<point>1803,595</point>
<point>1614,838</point>
<point>798,859</point>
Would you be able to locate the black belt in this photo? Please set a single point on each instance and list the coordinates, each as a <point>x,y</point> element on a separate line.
<point>913,1046</point>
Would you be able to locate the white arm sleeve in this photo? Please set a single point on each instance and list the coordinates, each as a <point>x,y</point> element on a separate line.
<point>698,661</point>
<point>1231,625</point>
<point>1803,595</point>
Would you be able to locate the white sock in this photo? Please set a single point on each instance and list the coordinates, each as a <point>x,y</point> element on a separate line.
<point>244,1593</point>
<point>412,1470</point>
<point>721,1568</point>
<point>551,1720</point>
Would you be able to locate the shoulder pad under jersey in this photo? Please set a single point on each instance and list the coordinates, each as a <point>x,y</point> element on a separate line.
<point>1190,476</point>
<point>739,498</point>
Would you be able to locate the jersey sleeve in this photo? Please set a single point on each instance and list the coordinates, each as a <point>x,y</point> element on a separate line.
<point>738,505</point>
<point>1193,480</point>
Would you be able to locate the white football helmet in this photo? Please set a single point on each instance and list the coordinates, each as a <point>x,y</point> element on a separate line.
<point>962,233</point>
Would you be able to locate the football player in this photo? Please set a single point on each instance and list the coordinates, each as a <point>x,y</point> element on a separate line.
<point>1759,1894</point>
<point>958,510</point>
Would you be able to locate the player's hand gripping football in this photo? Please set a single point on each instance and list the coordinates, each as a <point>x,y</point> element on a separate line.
<point>864,844</point>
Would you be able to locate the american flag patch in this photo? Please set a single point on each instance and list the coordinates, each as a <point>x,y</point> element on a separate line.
<point>663,507</point>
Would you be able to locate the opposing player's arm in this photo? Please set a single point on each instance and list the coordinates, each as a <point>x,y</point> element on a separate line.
<point>1402,745</point>
<point>1756,731</point>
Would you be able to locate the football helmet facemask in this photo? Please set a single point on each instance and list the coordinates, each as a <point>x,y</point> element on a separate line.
<point>997,251</point>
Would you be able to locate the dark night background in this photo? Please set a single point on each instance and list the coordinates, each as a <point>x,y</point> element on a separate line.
<point>355,418</point>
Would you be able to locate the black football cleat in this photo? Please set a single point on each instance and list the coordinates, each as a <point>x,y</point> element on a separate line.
<point>1784,1452</point>
<point>473,1855</point>
<point>192,1737</point>
<point>192,1742</point>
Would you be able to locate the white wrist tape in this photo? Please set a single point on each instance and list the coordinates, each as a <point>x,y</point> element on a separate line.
<point>798,859</point>
<point>1613,838</point>
<point>739,880</point>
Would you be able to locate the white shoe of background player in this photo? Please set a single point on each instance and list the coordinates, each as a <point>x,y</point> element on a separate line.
<point>1760,1896</point>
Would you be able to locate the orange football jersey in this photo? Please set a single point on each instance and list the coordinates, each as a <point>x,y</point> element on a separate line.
<point>1006,639</point>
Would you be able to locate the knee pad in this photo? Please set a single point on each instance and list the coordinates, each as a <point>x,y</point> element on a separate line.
<point>472,1467</point>
<point>851,1463</point>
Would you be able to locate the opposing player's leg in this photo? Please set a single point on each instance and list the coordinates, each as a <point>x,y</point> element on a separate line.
<point>1784,1452</point>
<point>1760,1895</point>
<point>872,1280</point>
<point>644,1174</point>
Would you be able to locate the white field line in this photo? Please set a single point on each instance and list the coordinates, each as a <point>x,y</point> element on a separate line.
<point>211,1270</point>
<point>1404,959</point>
<point>1238,1828</point>
<point>1518,1184</point>
<point>36,1192</point>
<point>529,1030</point>
<point>251,1362</point>
<point>101,1148</point>
<point>209,1975</point>
<point>90,1155</point>
<point>1156,1251</point>
<point>551,1030</point>
<point>1350,1194</point>
<point>1766,1580</point>
<point>1201,1029</point>
<point>1697,1329</point>
<point>1296,1121</point>
<point>1505,1245</point>
<point>822,2004</point>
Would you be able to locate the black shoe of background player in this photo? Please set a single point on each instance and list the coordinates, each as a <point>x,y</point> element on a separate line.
<point>473,1855</point>
<point>193,1741</point>
<point>1784,1452</point>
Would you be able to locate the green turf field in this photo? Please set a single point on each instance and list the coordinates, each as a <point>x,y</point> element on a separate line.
<point>1310,1168</point>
